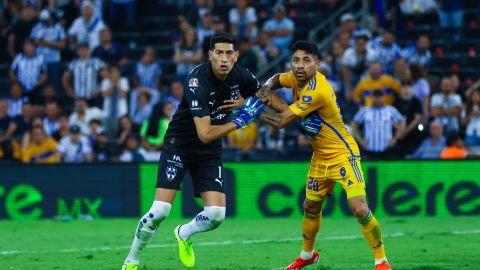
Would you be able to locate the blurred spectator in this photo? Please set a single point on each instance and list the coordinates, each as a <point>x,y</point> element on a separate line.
<point>86,28</point>
<point>16,100</point>
<point>153,131</point>
<point>188,54</point>
<point>176,94</point>
<point>75,148</point>
<point>56,12</point>
<point>335,60</point>
<point>446,106</point>
<point>355,61</point>
<point>197,9</point>
<point>142,110</point>
<point>280,28</point>
<point>85,71</point>
<point>432,147</point>
<point>102,149</point>
<point>148,70</point>
<point>243,20</point>
<point>94,126</point>
<point>114,91</point>
<point>63,128</point>
<point>122,13</point>
<point>218,26</point>
<point>386,50</point>
<point>451,13</point>
<point>49,94</point>
<point>21,30</point>
<point>264,49</point>
<point>51,120</point>
<point>29,69</point>
<point>420,53</point>
<point>270,138</point>
<point>50,39</point>
<point>126,128</point>
<point>132,152</point>
<point>411,109</point>
<point>400,70</point>
<point>378,121</point>
<point>326,70</point>
<point>24,120</point>
<point>42,148</point>
<point>350,27</point>
<point>412,7</point>
<point>108,51</point>
<point>455,148</point>
<point>248,57</point>
<point>421,88</point>
<point>7,125</point>
<point>471,119</point>
<point>205,29</point>
<point>244,138</point>
<point>147,79</point>
<point>83,115</point>
<point>376,80</point>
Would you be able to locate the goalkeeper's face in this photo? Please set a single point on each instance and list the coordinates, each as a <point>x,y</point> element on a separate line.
<point>223,57</point>
<point>304,65</point>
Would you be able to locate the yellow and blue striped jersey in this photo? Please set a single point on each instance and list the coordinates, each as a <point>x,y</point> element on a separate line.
<point>318,96</point>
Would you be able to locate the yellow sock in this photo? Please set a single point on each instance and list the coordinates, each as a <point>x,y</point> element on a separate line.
<point>310,227</point>
<point>371,230</point>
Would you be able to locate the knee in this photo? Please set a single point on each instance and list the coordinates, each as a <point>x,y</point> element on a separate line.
<point>216,214</point>
<point>360,211</point>
<point>158,212</point>
<point>312,208</point>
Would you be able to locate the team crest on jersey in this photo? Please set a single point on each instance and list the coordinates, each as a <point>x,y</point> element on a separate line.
<point>343,172</point>
<point>193,82</point>
<point>171,172</point>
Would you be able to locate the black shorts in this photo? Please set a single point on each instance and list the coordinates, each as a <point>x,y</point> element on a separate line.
<point>206,173</point>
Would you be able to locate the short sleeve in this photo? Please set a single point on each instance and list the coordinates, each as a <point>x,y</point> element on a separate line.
<point>251,15</point>
<point>233,16</point>
<point>457,100</point>
<point>397,117</point>
<point>105,84</point>
<point>287,80</point>
<point>62,146</point>
<point>61,32</point>
<point>14,66</point>
<point>72,31</point>
<point>436,101</point>
<point>87,150</point>
<point>394,84</point>
<point>124,84</point>
<point>71,66</point>
<point>347,58</point>
<point>197,97</point>
<point>359,116</point>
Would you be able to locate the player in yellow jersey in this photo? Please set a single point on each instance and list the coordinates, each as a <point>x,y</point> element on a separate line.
<point>335,159</point>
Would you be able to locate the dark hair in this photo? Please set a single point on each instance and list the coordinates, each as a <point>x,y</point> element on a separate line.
<point>407,82</point>
<point>416,72</point>
<point>146,95</point>
<point>17,83</point>
<point>470,103</point>
<point>452,138</point>
<point>306,46</point>
<point>223,38</point>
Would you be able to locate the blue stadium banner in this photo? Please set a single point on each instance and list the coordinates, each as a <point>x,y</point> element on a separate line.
<point>30,192</point>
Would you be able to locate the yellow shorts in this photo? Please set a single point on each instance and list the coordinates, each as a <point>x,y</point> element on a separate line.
<point>322,177</point>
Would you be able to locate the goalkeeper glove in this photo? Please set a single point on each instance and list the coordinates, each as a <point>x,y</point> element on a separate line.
<point>252,108</point>
<point>310,125</point>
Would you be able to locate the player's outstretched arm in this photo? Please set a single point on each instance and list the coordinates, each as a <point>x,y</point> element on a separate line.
<point>278,120</point>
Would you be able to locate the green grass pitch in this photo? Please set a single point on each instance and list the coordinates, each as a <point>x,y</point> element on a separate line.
<point>411,243</point>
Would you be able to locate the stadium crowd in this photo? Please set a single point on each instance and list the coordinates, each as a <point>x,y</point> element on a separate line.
<point>75,96</point>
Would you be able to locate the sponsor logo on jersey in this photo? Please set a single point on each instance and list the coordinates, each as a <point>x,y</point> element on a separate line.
<point>193,82</point>
<point>171,172</point>
<point>194,103</point>
<point>176,161</point>
<point>300,107</point>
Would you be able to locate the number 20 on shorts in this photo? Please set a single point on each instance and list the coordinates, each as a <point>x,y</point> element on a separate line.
<point>312,184</point>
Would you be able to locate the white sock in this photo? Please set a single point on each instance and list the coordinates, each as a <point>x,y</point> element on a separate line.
<point>306,255</point>
<point>210,218</point>
<point>379,261</point>
<point>146,229</point>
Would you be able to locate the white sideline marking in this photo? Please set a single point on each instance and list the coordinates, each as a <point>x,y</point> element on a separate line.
<point>223,243</point>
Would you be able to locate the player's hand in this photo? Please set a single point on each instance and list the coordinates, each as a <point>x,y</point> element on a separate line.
<point>233,104</point>
<point>252,108</point>
<point>310,125</point>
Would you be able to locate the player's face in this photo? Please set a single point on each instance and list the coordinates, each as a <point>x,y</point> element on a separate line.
<point>223,57</point>
<point>304,65</point>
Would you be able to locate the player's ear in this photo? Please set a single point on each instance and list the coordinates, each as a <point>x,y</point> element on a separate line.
<point>235,55</point>
<point>210,53</point>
